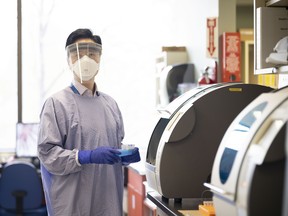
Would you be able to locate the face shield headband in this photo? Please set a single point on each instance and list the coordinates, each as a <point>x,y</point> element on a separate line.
<point>84,59</point>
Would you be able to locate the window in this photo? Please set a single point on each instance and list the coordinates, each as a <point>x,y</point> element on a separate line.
<point>131,42</point>
<point>8,81</point>
<point>127,65</point>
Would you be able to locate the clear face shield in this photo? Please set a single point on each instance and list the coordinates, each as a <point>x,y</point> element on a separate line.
<point>84,59</point>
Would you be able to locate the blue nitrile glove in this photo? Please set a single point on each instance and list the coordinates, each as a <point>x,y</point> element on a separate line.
<point>100,155</point>
<point>133,158</point>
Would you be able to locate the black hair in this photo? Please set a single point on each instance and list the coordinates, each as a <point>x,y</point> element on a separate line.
<point>82,34</point>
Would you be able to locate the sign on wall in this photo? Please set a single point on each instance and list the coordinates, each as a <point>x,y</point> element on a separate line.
<point>231,57</point>
<point>212,37</point>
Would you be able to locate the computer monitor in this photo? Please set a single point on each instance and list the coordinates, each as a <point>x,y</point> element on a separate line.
<point>26,139</point>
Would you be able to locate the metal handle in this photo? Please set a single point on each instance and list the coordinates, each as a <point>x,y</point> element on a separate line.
<point>216,189</point>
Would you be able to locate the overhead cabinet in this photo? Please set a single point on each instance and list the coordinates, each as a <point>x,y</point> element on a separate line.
<point>271,36</point>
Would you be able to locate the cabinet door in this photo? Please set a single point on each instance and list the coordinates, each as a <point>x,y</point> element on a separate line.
<point>149,208</point>
<point>135,202</point>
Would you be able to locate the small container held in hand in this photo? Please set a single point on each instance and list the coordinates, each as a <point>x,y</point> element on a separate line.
<point>126,149</point>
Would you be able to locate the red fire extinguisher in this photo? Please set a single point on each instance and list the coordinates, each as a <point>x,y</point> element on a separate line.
<point>205,79</point>
<point>209,76</point>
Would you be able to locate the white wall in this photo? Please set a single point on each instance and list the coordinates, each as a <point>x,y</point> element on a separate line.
<point>133,33</point>
<point>139,37</point>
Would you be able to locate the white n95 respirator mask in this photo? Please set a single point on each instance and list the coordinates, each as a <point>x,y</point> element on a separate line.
<point>84,59</point>
<point>85,68</point>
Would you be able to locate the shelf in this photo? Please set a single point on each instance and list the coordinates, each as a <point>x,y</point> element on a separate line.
<point>273,70</point>
<point>269,28</point>
<point>277,3</point>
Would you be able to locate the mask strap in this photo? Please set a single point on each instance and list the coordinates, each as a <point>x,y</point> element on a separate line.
<point>79,65</point>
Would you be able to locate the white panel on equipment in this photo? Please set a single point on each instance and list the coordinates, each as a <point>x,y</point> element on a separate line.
<point>248,171</point>
<point>285,197</point>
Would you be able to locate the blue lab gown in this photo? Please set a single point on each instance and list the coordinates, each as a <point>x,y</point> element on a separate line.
<point>71,122</point>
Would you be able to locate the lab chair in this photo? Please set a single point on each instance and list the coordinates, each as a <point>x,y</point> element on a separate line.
<point>21,190</point>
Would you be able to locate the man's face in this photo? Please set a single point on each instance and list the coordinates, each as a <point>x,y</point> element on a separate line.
<point>84,47</point>
<point>84,58</point>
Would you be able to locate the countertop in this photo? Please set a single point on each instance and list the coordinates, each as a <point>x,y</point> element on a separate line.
<point>187,207</point>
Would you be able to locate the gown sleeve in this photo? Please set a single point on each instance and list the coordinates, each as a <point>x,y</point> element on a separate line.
<point>51,140</point>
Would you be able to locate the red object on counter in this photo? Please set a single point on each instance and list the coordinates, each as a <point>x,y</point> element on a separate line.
<point>205,79</point>
<point>208,78</point>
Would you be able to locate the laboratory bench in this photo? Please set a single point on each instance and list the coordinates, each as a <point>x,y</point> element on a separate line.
<point>171,207</point>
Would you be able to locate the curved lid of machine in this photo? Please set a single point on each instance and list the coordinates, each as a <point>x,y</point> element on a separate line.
<point>176,104</point>
<point>237,139</point>
<point>266,154</point>
<point>240,130</point>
